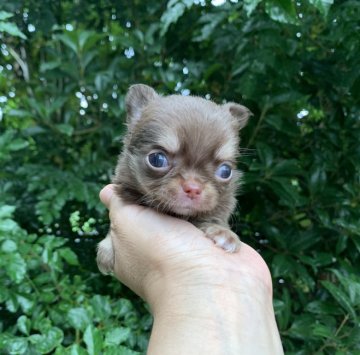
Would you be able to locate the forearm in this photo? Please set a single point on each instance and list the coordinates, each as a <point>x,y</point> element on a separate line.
<point>223,321</point>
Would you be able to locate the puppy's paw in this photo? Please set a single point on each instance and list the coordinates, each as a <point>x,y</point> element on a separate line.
<point>223,238</point>
<point>105,256</point>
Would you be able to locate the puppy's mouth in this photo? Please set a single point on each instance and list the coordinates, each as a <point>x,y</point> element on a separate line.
<point>184,205</point>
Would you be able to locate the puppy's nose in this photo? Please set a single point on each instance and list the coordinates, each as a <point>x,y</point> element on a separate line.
<point>192,188</point>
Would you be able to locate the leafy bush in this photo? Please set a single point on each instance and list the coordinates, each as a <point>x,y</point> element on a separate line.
<point>48,304</point>
<point>64,71</point>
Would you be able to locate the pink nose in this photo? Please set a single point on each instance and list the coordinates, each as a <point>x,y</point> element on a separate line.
<point>192,188</point>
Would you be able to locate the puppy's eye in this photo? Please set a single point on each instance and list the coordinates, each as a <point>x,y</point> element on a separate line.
<point>224,172</point>
<point>158,160</point>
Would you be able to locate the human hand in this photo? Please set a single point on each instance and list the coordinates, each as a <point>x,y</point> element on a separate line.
<point>189,282</point>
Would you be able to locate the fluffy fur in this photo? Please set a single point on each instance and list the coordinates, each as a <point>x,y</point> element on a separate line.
<point>197,136</point>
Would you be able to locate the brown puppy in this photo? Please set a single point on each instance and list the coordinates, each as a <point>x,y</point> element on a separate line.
<point>179,157</point>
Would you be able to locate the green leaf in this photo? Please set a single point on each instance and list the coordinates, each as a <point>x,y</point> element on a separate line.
<point>57,104</point>
<point>88,40</point>
<point>18,144</point>
<point>340,297</point>
<point>283,309</point>
<point>323,307</point>
<point>8,225</point>
<point>69,41</point>
<point>26,303</point>
<point>12,303</point>
<point>120,350</point>
<point>6,211</point>
<point>285,97</point>
<point>288,167</point>
<point>69,256</point>
<point>210,23</point>
<point>102,306</point>
<point>4,293</point>
<point>88,58</point>
<point>45,66</point>
<point>15,267</point>
<point>318,260</point>
<point>16,345</point>
<point>351,284</point>
<point>322,5</point>
<point>8,246</point>
<point>117,336</point>
<point>281,11</point>
<point>317,178</point>
<point>65,129</point>
<point>322,331</point>
<point>286,191</point>
<point>24,324</point>
<point>45,343</point>
<point>175,9</point>
<point>74,349</point>
<point>39,108</point>
<point>93,340</point>
<point>265,153</point>
<point>19,113</point>
<point>43,324</point>
<point>301,328</point>
<point>4,15</point>
<point>250,6</point>
<point>102,81</point>
<point>282,125</point>
<point>282,266</point>
<point>12,29</point>
<point>351,227</point>
<point>78,318</point>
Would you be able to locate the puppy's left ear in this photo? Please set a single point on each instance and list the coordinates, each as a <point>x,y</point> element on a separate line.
<point>239,113</point>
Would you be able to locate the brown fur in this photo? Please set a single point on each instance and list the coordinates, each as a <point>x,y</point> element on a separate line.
<point>197,135</point>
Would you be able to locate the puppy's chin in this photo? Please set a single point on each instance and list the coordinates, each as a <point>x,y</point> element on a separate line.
<point>189,208</point>
<point>180,204</point>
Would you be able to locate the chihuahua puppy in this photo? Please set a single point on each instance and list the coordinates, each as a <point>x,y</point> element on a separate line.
<point>179,157</point>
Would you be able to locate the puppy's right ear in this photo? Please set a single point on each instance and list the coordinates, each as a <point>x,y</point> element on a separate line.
<point>137,98</point>
<point>239,113</point>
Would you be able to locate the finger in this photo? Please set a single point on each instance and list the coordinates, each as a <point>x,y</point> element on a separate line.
<point>107,194</point>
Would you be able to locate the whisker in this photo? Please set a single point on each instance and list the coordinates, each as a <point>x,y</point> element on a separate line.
<point>249,150</point>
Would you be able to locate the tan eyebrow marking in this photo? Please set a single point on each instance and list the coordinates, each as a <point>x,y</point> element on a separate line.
<point>169,141</point>
<point>226,151</point>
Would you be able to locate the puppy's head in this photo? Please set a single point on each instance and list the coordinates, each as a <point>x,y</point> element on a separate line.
<point>181,151</point>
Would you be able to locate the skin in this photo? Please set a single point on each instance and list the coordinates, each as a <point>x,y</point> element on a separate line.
<point>204,300</point>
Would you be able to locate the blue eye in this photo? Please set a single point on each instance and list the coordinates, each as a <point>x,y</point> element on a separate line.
<point>158,160</point>
<point>224,172</point>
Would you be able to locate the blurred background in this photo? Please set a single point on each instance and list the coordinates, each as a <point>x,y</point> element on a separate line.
<point>65,67</point>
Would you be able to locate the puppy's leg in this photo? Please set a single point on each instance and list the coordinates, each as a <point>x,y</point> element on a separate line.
<point>222,236</point>
<point>105,255</point>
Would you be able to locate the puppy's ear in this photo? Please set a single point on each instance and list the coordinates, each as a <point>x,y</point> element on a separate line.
<point>137,98</point>
<point>239,113</point>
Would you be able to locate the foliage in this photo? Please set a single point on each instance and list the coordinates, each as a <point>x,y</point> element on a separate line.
<point>65,68</point>
<point>48,304</point>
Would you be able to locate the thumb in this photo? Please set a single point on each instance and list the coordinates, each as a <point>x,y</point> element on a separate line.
<point>107,195</point>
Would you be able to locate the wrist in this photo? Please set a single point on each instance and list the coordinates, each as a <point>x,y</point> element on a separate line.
<point>217,320</point>
<point>230,305</point>
<point>222,320</point>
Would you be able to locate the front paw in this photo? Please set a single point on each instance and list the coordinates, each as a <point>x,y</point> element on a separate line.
<point>222,237</point>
